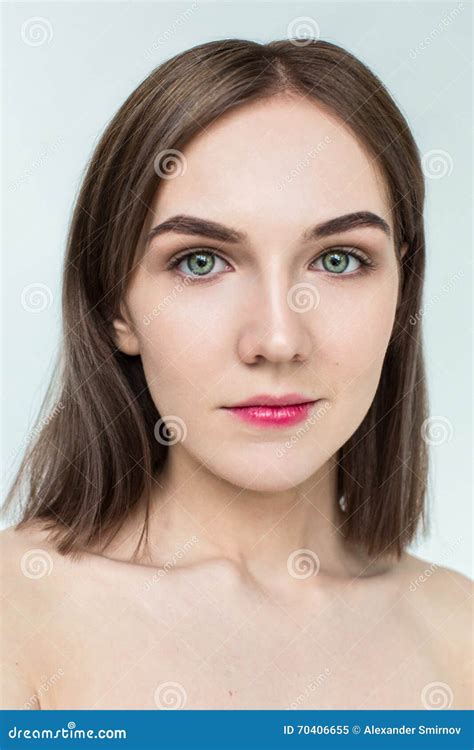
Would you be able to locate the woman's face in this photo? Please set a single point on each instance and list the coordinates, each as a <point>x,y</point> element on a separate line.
<point>272,307</point>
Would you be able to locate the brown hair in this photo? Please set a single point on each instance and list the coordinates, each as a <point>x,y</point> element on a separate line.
<point>97,457</point>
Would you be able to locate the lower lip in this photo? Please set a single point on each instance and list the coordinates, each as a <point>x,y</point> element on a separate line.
<point>273,416</point>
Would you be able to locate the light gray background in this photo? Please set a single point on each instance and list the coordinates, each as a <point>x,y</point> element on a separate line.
<point>59,95</point>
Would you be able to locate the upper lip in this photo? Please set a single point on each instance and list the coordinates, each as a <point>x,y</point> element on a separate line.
<point>265,399</point>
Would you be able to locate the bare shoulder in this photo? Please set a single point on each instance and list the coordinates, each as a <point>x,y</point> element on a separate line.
<point>447,584</point>
<point>439,605</point>
<point>26,554</point>
<point>26,561</point>
<point>444,597</point>
<point>32,571</point>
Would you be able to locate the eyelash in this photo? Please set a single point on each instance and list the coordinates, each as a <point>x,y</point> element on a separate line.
<point>367,264</point>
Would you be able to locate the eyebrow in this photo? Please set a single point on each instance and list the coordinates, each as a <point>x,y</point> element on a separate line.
<point>192,225</point>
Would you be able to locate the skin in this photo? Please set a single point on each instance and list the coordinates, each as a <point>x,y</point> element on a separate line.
<point>215,607</point>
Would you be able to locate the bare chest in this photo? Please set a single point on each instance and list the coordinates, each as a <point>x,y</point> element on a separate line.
<point>203,649</point>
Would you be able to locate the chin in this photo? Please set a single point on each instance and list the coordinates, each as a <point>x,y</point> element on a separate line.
<point>274,474</point>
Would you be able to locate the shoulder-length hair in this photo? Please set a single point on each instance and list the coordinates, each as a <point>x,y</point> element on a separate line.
<point>96,458</point>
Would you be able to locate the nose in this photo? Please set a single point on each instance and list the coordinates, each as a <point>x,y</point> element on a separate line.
<point>276,326</point>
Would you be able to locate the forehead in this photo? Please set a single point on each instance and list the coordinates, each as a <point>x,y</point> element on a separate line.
<point>283,160</point>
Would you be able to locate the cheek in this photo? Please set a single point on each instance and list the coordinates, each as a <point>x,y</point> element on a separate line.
<point>187,325</point>
<point>352,339</point>
<point>182,334</point>
<point>359,327</point>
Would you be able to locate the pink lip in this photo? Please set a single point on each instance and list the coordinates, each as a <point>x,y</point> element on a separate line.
<point>265,399</point>
<point>273,416</point>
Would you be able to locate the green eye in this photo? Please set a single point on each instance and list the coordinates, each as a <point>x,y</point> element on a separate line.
<point>200,263</point>
<point>335,261</point>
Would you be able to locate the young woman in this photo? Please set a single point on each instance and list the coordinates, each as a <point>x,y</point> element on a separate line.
<point>233,458</point>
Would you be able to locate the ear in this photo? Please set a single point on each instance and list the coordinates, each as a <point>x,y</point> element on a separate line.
<point>403,249</point>
<point>125,336</point>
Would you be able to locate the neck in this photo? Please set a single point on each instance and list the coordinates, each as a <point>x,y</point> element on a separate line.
<point>197,517</point>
